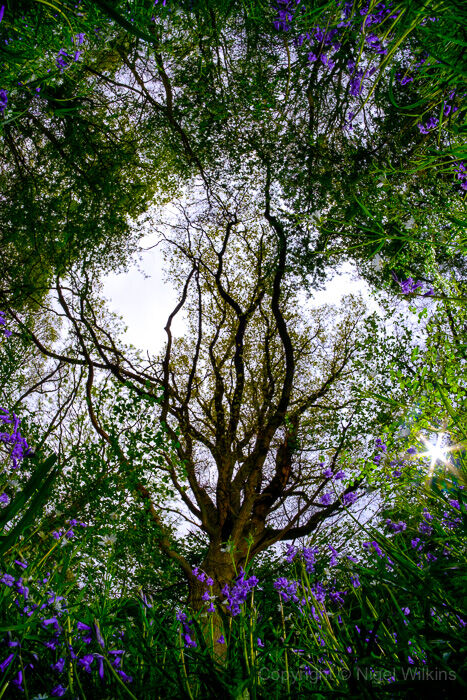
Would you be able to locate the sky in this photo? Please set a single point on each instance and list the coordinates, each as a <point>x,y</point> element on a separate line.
<point>144,299</point>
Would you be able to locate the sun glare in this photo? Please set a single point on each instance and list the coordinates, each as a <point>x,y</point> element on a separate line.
<point>435,452</point>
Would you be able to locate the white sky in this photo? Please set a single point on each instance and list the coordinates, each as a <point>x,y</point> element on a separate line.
<point>145,302</point>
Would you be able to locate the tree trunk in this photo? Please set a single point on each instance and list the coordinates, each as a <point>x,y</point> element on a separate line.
<point>218,566</point>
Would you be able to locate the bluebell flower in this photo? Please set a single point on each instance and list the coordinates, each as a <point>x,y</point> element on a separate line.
<point>86,662</point>
<point>58,691</point>
<point>3,104</point>
<point>349,498</point>
<point>4,665</point>
<point>129,679</point>
<point>59,666</point>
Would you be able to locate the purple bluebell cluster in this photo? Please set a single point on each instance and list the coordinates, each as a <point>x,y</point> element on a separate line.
<point>326,43</point>
<point>237,594</point>
<point>183,618</point>
<point>285,12</point>
<point>349,498</point>
<point>373,546</point>
<point>381,448</point>
<point>21,448</point>
<point>396,527</point>
<point>461,174</point>
<point>408,286</point>
<point>6,331</point>
<point>307,555</point>
<point>287,589</point>
<point>63,58</point>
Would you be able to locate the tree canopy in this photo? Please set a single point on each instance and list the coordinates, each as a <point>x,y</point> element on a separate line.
<point>292,139</point>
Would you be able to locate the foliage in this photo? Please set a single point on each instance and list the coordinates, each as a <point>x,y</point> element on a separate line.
<point>346,124</point>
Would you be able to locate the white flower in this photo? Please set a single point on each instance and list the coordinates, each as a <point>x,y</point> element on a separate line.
<point>410,222</point>
<point>108,540</point>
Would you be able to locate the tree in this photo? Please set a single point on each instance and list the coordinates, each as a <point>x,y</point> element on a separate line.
<point>226,101</point>
<point>251,397</point>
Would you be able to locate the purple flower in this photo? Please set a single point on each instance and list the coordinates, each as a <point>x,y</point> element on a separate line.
<point>200,576</point>
<point>259,642</point>
<point>380,445</point>
<point>455,504</point>
<point>334,555</point>
<point>375,546</point>
<point>86,662</point>
<point>326,499</point>
<point>406,611</point>
<point>2,12</point>
<point>221,640</point>
<point>396,527</point>
<point>4,665</point>
<point>82,627</point>
<point>287,589</point>
<point>308,554</point>
<point>58,691</point>
<point>425,528</point>
<point>59,666</point>
<point>4,499</point>
<point>406,79</point>
<point>355,581</point>
<point>339,475</point>
<point>129,679</point>
<point>18,680</point>
<point>3,104</point>
<point>319,592</point>
<point>291,552</point>
<point>327,474</point>
<point>336,597</point>
<point>7,579</point>
<point>100,665</point>
<point>188,641</point>
<point>99,637</point>
<point>60,60</point>
<point>349,498</point>
<point>51,621</point>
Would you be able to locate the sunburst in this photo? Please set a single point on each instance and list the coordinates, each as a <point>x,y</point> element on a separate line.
<point>439,453</point>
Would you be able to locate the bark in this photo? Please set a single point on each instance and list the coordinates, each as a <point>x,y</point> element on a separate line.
<point>217,565</point>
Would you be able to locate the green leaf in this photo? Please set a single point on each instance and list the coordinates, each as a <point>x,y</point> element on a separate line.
<point>40,473</point>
